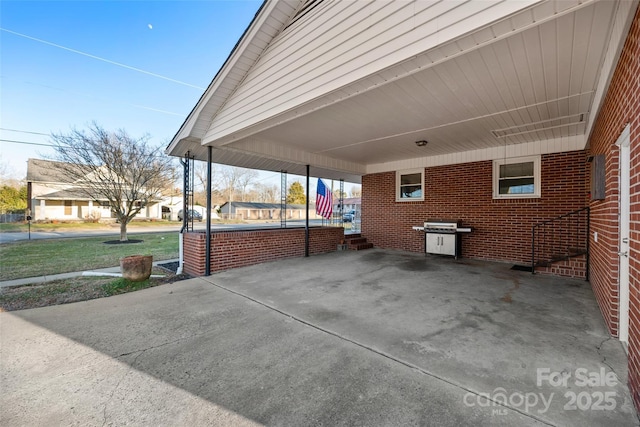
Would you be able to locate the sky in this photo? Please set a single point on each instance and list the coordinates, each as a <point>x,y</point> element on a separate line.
<point>134,65</point>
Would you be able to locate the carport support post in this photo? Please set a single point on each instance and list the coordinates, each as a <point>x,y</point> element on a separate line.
<point>207,260</point>
<point>306,224</point>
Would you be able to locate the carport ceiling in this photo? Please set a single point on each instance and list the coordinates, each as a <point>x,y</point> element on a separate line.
<point>538,84</point>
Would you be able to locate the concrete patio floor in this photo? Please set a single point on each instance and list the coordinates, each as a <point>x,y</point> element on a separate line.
<point>349,338</point>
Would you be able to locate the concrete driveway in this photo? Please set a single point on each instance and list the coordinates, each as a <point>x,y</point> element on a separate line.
<point>349,338</point>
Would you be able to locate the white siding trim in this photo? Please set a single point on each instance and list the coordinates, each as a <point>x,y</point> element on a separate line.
<point>559,145</point>
<point>275,151</point>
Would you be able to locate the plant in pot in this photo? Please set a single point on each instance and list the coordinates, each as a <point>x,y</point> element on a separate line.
<point>136,268</point>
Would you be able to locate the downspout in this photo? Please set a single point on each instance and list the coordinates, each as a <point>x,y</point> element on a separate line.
<point>180,253</point>
<point>185,201</point>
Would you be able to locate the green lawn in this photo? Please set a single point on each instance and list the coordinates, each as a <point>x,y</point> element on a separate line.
<point>52,256</point>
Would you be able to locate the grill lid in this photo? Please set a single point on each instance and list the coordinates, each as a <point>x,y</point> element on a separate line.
<point>441,224</point>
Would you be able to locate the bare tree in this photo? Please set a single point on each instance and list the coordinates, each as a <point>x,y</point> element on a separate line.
<point>356,191</point>
<point>200,170</point>
<point>246,179</point>
<point>267,193</point>
<point>7,175</point>
<point>237,179</point>
<point>126,171</point>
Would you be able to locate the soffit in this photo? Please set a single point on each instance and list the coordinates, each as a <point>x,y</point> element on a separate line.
<point>537,84</point>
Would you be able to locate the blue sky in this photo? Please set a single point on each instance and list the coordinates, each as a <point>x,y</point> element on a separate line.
<point>46,89</point>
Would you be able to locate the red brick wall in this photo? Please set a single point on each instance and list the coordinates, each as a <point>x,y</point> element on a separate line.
<point>194,253</point>
<point>621,106</point>
<point>501,228</point>
<point>573,267</point>
<point>239,248</point>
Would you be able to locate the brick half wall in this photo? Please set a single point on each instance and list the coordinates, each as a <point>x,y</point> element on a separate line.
<point>240,248</point>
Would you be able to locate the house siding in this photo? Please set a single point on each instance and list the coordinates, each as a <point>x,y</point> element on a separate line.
<point>340,43</point>
<point>621,106</point>
<point>501,228</point>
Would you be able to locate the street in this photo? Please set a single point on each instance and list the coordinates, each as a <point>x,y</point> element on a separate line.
<point>9,237</point>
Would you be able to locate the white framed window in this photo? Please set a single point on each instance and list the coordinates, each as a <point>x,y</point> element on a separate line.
<point>516,178</point>
<point>410,185</point>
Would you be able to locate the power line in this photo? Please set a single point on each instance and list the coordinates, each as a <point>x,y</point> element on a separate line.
<point>24,131</point>
<point>143,107</point>
<point>108,61</point>
<point>25,142</point>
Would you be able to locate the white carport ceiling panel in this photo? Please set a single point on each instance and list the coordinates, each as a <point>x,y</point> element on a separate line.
<point>465,136</point>
<point>341,42</point>
<point>538,75</point>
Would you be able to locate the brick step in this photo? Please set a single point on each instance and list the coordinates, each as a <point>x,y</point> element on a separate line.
<point>573,252</point>
<point>356,240</point>
<point>361,246</point>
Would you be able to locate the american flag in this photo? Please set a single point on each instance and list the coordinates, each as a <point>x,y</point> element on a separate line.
<point>324,200</point>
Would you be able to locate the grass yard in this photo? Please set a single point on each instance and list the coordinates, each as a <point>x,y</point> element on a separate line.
<point>76,289</point>
<point>52,256</point>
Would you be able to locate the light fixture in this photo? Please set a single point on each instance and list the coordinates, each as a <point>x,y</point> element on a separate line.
<point>421,143</point>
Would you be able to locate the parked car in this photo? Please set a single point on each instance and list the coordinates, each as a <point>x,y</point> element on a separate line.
<point>192,215</point>
<point>349,216</point>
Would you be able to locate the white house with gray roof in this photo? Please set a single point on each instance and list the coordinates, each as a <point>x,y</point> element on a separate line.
<point>52,196</point>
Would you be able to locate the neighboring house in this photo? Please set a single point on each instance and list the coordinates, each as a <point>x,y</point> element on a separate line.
<point>254,210</point>
<point>53,197</point>
<point>349,204</point>
<point>499,114</point>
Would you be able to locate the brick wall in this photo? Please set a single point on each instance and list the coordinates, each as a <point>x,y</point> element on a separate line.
<point>621,106</point>
<point>193,253</point>
<point>501,228</point>
<point>239,248</point>
<point>575,267</point>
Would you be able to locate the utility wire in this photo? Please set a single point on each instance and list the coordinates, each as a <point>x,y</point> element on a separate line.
<point>143,107</point>
<point>108,61</point>
<point>24,131</point>
<point>25,142</point>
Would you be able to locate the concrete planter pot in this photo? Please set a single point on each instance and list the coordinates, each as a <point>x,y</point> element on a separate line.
<point>136,268</point>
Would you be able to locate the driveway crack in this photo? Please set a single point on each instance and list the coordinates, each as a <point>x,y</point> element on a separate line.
<point>117,386</point>
<point>153,347</point>
<point>604,358</point>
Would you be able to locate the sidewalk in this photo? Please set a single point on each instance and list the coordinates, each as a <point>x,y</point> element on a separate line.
<point>49,278</point>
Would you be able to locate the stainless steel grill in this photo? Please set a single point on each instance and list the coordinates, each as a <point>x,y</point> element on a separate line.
<point>443,236</point>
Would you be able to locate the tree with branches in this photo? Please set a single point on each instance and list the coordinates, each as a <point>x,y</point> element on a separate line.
<point>236,180</point>
<point>128,172</point>
<point>267,193</point>
<point>295,195</point>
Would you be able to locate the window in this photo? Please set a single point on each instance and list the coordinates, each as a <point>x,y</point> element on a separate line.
<point>516,178</point>
<point>410,185</point>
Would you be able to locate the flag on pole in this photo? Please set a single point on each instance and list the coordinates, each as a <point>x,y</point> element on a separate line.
<point>324,200</point>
